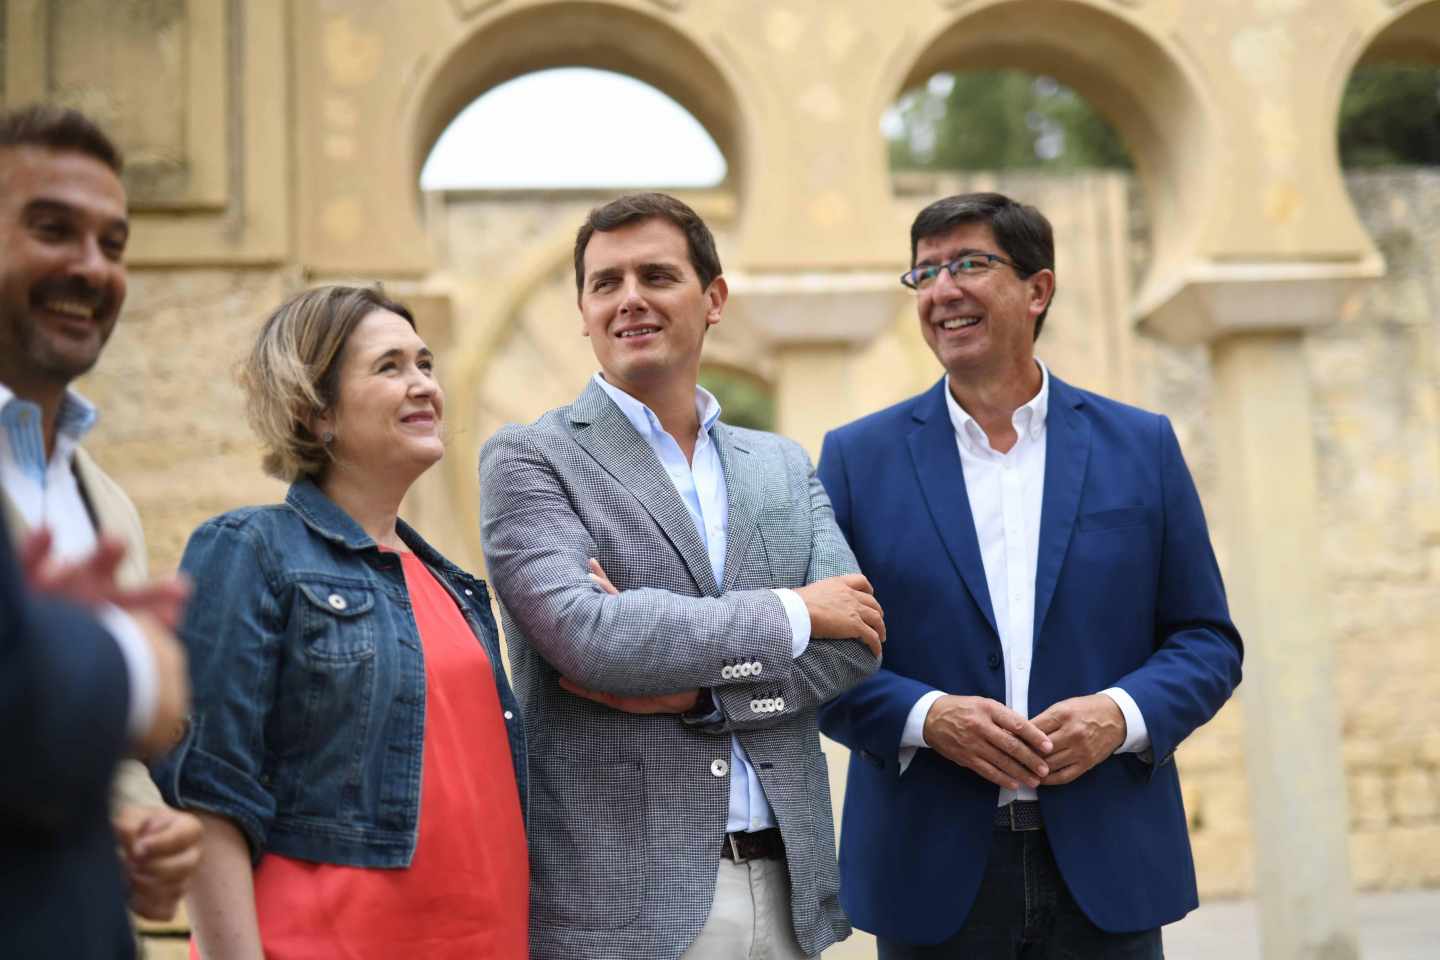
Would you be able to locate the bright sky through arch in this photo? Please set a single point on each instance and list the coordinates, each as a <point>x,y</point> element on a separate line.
<point>573,127</point>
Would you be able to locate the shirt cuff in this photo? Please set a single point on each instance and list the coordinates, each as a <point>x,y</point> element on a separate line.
<point>139,665</point>
<point>799,616</point>
<point>913,736</point>
<point>1137,737</point>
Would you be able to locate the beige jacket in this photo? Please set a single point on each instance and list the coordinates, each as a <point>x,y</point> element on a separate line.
<point>118,518</point>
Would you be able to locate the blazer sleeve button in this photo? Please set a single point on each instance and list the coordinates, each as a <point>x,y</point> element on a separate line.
<point>993,660</point>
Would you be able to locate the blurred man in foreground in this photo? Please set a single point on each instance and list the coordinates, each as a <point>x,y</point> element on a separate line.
<point>81,683</point>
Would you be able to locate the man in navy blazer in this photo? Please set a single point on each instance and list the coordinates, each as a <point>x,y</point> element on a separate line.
<point>1057,626</point>
<point>66,695</point>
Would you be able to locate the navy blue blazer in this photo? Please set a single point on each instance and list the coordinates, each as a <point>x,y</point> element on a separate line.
<point>64,696</point>
<point>1127,593</point>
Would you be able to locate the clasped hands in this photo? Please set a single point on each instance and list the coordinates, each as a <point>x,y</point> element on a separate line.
<point>1054,748</point>
<point>841,608</point>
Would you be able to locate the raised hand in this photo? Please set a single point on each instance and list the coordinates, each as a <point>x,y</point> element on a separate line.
<point>91,582</point>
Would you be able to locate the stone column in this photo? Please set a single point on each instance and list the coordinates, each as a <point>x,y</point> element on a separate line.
<point>815,321</point>
<point>1292,756</point>
<point>1254,317</point>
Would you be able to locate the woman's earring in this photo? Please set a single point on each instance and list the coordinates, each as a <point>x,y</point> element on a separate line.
<point>327,438</point>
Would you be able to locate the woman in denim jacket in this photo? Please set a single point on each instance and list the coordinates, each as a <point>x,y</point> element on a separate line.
<point>355,751</point>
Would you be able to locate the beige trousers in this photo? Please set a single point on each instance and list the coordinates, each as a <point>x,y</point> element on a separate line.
<point>750,916</point>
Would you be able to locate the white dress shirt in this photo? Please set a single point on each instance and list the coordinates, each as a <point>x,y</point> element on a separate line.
<point>701,485</point>
<point>47,494</point>
<point>1005,491</point>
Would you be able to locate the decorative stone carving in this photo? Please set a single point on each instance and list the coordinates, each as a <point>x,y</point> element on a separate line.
<point>153,72</point>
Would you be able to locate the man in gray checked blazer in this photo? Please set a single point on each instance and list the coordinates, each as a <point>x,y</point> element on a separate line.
<point>680,804</point>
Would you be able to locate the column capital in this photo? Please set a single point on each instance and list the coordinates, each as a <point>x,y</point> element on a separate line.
<point>1214,299</point>
<point>791,308</point>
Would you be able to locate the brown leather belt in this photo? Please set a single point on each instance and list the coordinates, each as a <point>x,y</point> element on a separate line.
<point>757,845</point>
<point>1019,816</point>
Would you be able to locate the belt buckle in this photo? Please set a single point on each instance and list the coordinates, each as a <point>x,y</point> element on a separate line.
<point>735,854</point>
<point>1019,827</point>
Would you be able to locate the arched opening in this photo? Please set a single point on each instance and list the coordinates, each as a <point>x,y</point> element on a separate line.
<point>1077,54</point>
<point>1390,116</point>
<point>1036,139</point>
<point>1076,110</point>
<point>557,129</point>
<point>998,120</point>
<point>597,35</point>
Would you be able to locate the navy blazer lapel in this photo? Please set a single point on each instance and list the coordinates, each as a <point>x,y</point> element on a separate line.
<point>942,481</point>
<point>1067,453</point>
<point>604,432</point>
<point>745,491</point>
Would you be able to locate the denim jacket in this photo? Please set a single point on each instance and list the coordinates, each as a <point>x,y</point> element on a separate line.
<point>309,683</point>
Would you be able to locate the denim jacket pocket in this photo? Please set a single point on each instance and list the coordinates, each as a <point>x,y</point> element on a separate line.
<point>334,622</point>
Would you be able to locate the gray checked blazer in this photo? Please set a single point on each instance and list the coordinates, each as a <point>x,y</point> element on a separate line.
<point>627,813</point>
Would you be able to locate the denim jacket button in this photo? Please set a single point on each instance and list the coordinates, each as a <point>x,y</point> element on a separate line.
<point>509,715</point>
<point>469,592</point>
<point>336,601</point>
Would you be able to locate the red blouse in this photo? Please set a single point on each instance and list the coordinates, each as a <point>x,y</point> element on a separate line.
<point>466,892</point>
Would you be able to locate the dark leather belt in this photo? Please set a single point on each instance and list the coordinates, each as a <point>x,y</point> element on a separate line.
<point>1019,816</point>
<point>759,845</point>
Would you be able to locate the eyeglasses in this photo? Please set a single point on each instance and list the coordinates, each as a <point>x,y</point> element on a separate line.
<point>965,265</point>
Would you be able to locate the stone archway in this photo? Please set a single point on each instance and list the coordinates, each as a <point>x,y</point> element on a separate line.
<point>1411,34</point>
<point>586,33</point>
<point>1136,78</point>
<point>518,352</point>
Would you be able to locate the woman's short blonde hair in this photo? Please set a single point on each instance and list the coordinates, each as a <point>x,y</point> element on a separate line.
<point>293,372</point>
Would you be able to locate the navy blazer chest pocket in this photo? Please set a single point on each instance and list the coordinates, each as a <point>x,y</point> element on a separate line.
<point>1113,519</point>
<point>336,622</point>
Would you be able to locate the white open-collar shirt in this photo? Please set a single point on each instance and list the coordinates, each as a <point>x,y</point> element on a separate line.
<point>701,485</point>
<point>1005,491</point>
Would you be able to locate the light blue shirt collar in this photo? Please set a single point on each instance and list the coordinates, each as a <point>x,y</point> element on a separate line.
<point>23,426</point>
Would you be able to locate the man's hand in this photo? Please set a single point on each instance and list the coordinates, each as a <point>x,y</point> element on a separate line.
<point>1085,731</point>
<point>989,738</point>
<point>659,703</point>
<point>91,582</point>
<point>597,573</point>
<point>160,849</point>
<point>155,608</point>
<point>844,608</point>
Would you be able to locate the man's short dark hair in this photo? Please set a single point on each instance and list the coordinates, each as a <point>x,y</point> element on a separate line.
<point>1022,232</point>
<point>634,207</point>
<point>58,128</point>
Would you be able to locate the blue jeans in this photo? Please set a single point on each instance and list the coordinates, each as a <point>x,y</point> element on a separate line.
<point>1025,912</point>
